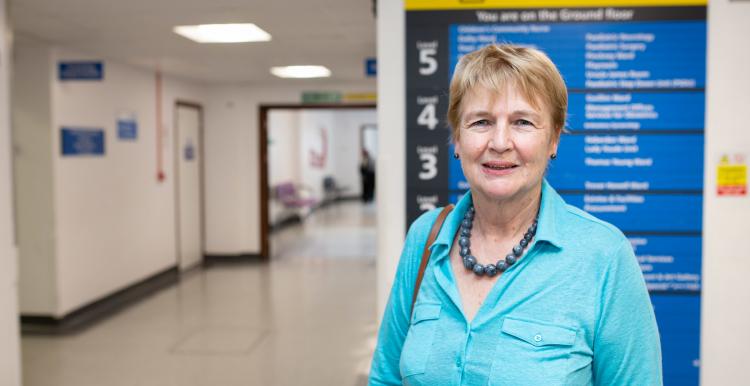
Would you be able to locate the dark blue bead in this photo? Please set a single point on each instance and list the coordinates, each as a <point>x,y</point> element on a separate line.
<point>510,259</point>
<point>469,262</point>
<point>469,214</point>
<point>533,228</point>
<point>517,250</point>
<point>490,270</point>
<point>464,242</point>
<point>528,236</point>
<point>465,251</point>
<point>467,223</point>
<point>501,266</point>
<point>478,269</point>
<point>465,232</point>
<point>524,243</point>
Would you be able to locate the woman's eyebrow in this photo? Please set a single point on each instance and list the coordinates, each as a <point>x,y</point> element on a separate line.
<point>527,113</point>
<point>477,114</point>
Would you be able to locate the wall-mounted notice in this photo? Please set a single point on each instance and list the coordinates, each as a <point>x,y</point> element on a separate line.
<point>731,176</point>
<point>127,126</point>
<point>81,70</point>
<point>81,141</point>
<point>633,154</point>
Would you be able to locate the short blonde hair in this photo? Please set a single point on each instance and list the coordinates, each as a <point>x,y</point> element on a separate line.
<point>498,65</point>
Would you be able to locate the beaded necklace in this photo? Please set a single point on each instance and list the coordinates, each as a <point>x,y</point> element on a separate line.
<point>470,262</point>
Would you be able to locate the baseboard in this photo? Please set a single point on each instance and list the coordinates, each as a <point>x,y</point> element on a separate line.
<point>89,314</point>
<point>239,258</point>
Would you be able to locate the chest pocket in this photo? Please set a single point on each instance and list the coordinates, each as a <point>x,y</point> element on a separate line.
<point>419,339</point>
<point>526,345</point>
<point>538,334</point>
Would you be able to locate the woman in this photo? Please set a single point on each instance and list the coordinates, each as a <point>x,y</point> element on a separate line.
<point>521,289</point>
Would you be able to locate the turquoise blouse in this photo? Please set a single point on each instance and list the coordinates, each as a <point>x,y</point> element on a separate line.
<point>574,310</point>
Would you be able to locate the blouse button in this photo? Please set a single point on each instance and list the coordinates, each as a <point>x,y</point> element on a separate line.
<point>537,338</point>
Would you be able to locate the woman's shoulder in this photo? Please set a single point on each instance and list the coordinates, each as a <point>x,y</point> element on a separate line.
<point>423,224</point>
<point>592,233</point>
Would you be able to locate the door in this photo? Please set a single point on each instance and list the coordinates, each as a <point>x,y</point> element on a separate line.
<point>189,165</point>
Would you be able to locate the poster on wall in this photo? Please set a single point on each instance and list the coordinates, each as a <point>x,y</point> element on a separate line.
<point>633,153</point>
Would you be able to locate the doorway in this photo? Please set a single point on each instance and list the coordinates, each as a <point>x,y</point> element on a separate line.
<point>324,140</point>
<point>189,207</point>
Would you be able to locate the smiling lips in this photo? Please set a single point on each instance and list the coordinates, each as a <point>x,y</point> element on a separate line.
<point>498,168</point>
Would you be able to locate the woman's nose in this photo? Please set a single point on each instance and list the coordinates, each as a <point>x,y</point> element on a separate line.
<point>500,139</point>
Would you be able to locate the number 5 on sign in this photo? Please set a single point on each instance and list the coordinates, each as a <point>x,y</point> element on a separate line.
<point>428,61</point>
<point>428,117</point>
<point>429,166</point>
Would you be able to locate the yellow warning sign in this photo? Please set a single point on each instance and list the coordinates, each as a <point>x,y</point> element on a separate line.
<point>731,177</point>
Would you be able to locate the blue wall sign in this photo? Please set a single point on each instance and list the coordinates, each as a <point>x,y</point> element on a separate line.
<point>81,70</point>
<point>127,129</point>
<point>371,67</point>
<point>79,141</point>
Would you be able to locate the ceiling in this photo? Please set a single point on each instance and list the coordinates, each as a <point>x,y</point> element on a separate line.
<point>338,34</point>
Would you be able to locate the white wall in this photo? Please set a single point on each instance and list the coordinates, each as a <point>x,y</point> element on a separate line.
<point>232,154</point>
<point>283,146</point>
<point>9,346</point>
<point>346,148</point>
<point>316,132</point>
<point>112,220</point>
<point>283,158</point>
<point>391,188</point>
<point>725,336</point>
<point>31,104</point>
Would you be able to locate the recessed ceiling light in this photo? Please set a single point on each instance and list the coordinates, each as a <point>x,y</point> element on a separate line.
<point>223,33</point>
<point>301,72</point>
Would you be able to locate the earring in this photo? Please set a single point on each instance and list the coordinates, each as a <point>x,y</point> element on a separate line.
<point>455,155</point>
<point>553,156</point>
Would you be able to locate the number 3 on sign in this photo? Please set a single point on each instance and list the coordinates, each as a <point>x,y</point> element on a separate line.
<point>428,117</point>
<point>429,166</point>
<point>428,61</point>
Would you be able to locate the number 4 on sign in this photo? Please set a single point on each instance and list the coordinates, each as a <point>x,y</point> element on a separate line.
<point>428,117</point>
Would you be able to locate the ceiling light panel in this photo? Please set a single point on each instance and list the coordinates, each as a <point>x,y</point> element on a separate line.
<point>301,72</point>
<point>223,33</point>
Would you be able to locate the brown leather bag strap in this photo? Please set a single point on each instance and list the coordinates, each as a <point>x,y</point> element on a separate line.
<point>426,253</point>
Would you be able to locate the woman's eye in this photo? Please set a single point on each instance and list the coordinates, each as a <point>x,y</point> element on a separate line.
<point>523,122</point>
<point>481,122</point>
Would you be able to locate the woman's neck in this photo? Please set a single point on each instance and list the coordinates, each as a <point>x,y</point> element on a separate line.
<point>505,218</point>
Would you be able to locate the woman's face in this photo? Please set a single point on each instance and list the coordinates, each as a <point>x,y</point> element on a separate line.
<point>504,143</point>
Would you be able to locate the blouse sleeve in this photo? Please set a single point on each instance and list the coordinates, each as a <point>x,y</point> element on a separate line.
<point>395,324</point>
<point>626,342</point>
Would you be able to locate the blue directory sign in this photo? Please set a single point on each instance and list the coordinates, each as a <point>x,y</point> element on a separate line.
<point>81,70</point>
<point>632,153</point>
<point>629,161</point>
<point>81,141</point>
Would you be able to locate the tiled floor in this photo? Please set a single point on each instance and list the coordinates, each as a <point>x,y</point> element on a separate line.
<point>307,318</point>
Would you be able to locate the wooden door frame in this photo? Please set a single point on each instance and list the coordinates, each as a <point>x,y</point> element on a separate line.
<point>263,110</point>
<point>201,177</point>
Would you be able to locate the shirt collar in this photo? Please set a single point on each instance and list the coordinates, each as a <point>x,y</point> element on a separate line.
<point>547,227</point>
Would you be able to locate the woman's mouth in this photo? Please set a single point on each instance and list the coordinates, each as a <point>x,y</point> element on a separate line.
<point>498,167</point>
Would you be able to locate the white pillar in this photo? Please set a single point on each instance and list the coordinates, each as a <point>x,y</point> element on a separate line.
<point>725,313</point>
<point>391,174</point>
<point>9,346</point>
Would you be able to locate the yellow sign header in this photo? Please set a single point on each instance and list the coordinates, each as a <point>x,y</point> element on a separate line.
<point>435,5</point>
